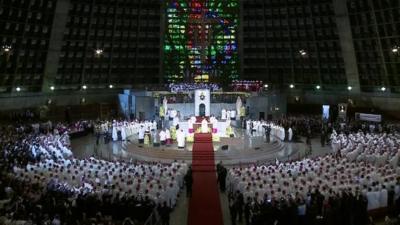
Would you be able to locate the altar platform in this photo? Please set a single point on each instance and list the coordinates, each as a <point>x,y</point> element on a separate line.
<point>217,129</point>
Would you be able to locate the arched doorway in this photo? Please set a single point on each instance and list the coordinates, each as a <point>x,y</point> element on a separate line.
<point>202,109</point>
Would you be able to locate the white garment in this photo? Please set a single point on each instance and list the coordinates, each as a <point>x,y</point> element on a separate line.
<point>204,126</point>
<point>290,134</point>
<point>223,114</point>
<point>180,136</point>
<point>162,136</point>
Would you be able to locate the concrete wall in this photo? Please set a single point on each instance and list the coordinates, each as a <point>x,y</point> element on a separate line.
<point>273,105</point>
<point>29,100</point>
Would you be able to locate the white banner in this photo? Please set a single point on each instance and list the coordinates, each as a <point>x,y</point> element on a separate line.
<point>369,117</point>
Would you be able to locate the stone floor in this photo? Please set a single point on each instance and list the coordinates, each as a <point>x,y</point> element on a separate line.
<point>244,148</point>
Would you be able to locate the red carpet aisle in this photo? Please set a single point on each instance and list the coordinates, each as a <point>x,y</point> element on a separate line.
<point>204,206</point>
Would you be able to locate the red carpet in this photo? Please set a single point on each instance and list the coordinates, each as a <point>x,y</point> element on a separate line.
<point>204,206</point>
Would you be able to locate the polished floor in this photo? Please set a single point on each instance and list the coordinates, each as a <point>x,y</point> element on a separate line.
<point>245,148</point>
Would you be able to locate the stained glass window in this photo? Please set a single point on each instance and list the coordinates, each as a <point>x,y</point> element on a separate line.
<point>200,43</point>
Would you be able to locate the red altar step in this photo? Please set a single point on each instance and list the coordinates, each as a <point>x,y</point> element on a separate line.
<point>203,138</point>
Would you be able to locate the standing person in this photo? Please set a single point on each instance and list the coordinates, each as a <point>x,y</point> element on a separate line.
<point>232,209</point>
<point>141,134</point>
<point>189,183</point>
<point>239,205</point>
<point>222,178</point>
<point>165,212</point>
<point>267,133</point>
<point>247,211</point>
<point>323,137</point>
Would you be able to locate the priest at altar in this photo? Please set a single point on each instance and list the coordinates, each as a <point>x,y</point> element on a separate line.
<point>204,126</point>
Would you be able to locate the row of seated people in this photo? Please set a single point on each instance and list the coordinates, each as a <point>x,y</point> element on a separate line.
<point>45,163</point>
<point>325,180</point>
<point>375,148</point>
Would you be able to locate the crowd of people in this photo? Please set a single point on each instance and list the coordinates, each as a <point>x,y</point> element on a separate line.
<point>375,148</point>
<point>361,174</point>
<point>322,188</point>
<point>43,183</point>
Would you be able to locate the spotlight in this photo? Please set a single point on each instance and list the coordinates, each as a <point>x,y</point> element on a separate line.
<point>395,49</point>
<point>110,86</point>
<point>291,85</point>
<point>303,52</point>
<point>84,87</point>
<point>318,87</point>
<point>383,88</point>
<point>18,89</point>
<point>6,48</point>
<point>266,85</point>
<point>98,51</point>
<point>349,88</point>
<point>52,88</point>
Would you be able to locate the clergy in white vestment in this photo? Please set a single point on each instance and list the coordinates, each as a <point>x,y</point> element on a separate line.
<point>238,105</point>
<point>233,114</point>
<point>223,114</point>
<point>123,131</point>
<point>175,121</point>
<point>228,114</point>
<point>180,137</point>
<point>114,131</point>
<point>290,134</point>
<point>163,137</point>
<point>190,123</point>
<point>141,134</point>
<point>204,126</point>
<point>165,104</point>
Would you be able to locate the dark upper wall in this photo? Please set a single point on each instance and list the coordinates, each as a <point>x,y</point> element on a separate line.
<point>274,33</point>
<point>376,31</point>
<point>25,28</point>
<point>53,43</point>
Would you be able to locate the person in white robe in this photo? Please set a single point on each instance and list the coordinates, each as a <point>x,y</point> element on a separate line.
<point>114,131</point>
<point>123,132</point>
<point>180,137</point>
<point>163,137</point>
<point>190,123</point>
<point>233,115</point>
<point>141,134</point>
<point>204,126</point>
<point>223,114</point>
<point>175,121</point>
<point>290,134</point>
<point>228,114</point>
<point>238,105</point>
